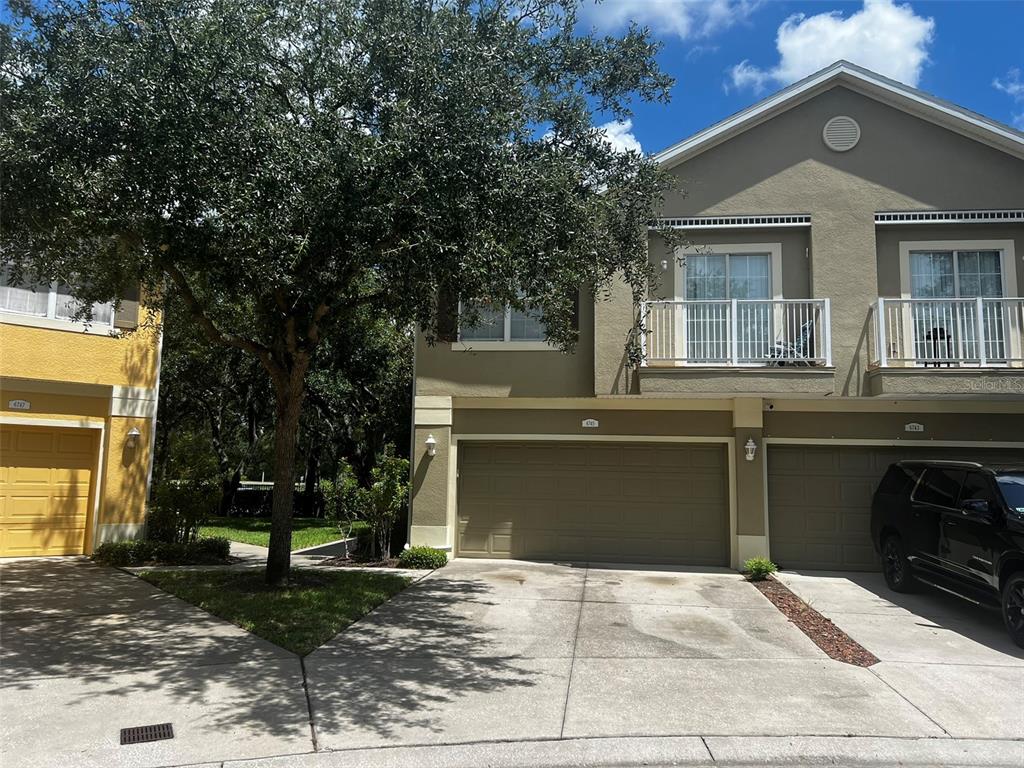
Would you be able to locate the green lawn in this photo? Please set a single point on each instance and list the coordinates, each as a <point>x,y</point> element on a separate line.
<point>306,531</point>
<point>315,606</point>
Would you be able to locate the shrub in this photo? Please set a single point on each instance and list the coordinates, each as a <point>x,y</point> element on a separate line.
<point>385,499</point>
<point>422,558</point>
<point>206,551</point>
<point>342,497</point>
<point>759,568</point>
<point>179,508</point>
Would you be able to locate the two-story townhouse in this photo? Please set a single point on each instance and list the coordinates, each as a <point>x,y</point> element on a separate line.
<point>850,297</point>
<point>77,414</point>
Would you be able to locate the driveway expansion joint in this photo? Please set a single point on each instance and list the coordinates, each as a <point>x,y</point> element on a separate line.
<point>575,645</point>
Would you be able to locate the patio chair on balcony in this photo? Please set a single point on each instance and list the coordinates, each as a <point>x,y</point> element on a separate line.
<point>796,352</point>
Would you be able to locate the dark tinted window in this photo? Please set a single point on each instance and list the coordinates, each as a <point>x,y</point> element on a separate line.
<point>940,487</point>
<point>1012,486</point>
<point>898,480</point>
<point>978,486</point>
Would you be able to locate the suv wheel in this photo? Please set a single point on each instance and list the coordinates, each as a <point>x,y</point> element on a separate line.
<point>895,566</point>
<point>1013,607</point>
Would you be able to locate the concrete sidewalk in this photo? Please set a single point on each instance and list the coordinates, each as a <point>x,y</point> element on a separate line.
<point>724,751</point>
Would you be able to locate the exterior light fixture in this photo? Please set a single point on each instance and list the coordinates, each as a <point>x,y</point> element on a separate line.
<point>131,440</point>
<point>664,265</point>
<point>431,443</point>
<point>751,448</point>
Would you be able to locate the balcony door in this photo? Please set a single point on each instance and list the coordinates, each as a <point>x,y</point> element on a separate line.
<point>948,327</point>
<point>712,281</point>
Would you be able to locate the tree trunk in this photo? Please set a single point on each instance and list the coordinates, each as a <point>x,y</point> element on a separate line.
<point>288,408</point>
<point>228,489</point>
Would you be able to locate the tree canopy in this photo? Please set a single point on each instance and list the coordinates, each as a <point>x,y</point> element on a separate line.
<point>289,165</point>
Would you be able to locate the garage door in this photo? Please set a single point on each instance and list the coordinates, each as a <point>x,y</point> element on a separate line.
<point>819,500</point>
<point>586,501</point>
<point>45,479</point>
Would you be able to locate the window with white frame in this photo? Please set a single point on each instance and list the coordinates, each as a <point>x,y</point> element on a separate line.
<point>47,300</point>
<point>505,325</point>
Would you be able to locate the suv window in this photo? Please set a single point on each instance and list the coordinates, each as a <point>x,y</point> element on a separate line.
<point>977,486</point>
<point>1012,486</point>
<point>898,480</point>
<point>940,487</point>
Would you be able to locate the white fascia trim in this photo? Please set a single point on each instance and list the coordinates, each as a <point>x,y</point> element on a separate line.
<point>984,216</point>
<point>1001,136</point>
<point>56,324</point>
<point>139,402</point>
<point>734,222</point>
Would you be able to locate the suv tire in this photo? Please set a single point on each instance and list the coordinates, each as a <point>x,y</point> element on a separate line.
<point>1013,607</point>
<point>895,567</point>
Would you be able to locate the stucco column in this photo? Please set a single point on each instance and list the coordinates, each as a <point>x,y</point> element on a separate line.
<point>613,320</point>
<point>748,424</point>
<point>843,238</point>
<point>430,495</point>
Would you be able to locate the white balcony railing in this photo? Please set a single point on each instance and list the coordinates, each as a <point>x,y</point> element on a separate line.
<point>737,332</point>
<point>948,332</point>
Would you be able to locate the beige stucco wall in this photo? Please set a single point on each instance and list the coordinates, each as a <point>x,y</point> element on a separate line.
<point>782,166</point>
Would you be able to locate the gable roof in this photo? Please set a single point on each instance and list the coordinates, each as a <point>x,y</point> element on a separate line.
<point>865,82</point>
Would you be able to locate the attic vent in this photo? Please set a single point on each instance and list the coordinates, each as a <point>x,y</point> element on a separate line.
<point>841,133</point>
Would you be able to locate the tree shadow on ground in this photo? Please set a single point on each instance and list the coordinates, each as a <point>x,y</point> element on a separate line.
<point>82,641</point>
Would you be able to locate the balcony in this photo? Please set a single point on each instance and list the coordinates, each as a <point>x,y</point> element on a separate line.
<point>947,346</point>
<point>778,345</point>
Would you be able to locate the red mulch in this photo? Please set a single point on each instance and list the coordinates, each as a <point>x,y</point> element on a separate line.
<point>826,635</point>
<point>355,562</point>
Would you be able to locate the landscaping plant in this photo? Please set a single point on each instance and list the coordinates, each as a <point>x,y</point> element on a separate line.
<point>422,558</point>
<point>383,502</point>
<point>759,568</point>
<point>124,554</point>
<point>179,508</point>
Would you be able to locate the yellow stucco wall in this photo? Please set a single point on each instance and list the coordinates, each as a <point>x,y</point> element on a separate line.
<point>88,358</point>
<point>75,379</point>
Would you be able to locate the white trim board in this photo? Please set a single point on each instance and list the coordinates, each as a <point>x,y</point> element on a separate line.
<point>452,517</point>
<point>865,82</point>
<point>734,222</point>
<point>991,216</point>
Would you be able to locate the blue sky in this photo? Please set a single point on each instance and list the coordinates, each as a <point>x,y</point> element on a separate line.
<point>727,54</point>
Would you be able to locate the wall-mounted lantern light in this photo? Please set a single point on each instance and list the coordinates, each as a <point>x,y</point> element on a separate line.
<point>431,443</point>
<point>751,448</point>
<point>664,265</point>
<point>131,440</point>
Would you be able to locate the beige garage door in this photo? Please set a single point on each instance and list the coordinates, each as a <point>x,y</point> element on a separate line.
<point>819,500</point>
<point>594,501</point>
<point>45,488</point>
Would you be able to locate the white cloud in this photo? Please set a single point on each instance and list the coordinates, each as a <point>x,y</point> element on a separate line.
<point>682,18</point>
<point>1013,84</point>
<point>882,36</point>
<point>620,135</point>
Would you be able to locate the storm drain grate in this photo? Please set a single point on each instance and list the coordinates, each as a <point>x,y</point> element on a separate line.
<point>143,733</point>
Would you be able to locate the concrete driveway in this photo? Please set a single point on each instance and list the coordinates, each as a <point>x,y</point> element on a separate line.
<point>86,651</point>
<point>490,651</point>
<point>951,659</point>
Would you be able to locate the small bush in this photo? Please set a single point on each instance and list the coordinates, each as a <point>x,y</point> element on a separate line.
<point>759,568</point>
<point>179,508</point>
<point>422,558</point>
<point>123,554</point>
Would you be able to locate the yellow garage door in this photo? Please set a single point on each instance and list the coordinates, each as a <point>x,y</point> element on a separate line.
<point>45,489</point>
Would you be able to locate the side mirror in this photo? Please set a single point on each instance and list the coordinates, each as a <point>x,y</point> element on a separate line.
<point>977,507</point>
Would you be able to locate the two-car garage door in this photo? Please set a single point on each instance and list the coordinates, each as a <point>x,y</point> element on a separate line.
<point>45,489</point>
<point>632,502</point>
<point>819,499</point>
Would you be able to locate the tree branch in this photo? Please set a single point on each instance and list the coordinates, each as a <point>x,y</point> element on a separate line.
<point>215,334</point>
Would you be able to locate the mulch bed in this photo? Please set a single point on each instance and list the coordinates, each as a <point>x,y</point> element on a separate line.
<point>356,562</point>
<point>826,635</point>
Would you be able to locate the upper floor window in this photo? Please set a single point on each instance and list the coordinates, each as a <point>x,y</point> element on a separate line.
<point>52,301</point>
<point>505,324</point>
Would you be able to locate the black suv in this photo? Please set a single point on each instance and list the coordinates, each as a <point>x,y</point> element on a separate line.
<point>955,525</point>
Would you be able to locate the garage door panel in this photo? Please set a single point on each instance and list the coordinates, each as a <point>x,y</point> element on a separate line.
<point>595,501</point>
<point>819,499</point>
<point>45,490</point>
